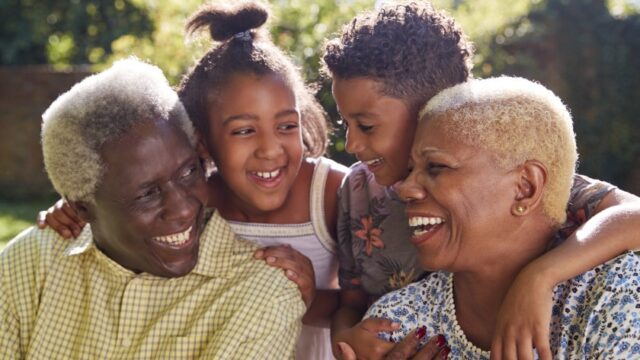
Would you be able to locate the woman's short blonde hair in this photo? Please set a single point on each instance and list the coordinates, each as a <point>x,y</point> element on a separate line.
<point>517,120</point>
<point>99,109</point>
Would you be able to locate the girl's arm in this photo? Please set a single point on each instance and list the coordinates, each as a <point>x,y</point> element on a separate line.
<point>62,219</point>
<point>526,311</point>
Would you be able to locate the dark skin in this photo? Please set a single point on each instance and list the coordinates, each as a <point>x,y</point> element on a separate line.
<point>153,187</point>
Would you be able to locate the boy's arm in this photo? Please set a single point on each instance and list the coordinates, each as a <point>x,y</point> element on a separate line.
<point>526,311</point>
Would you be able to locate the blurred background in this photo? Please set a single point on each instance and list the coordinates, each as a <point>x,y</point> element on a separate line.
<point>587,51</point>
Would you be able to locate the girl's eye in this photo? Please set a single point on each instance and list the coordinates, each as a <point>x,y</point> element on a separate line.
<point>242,132</point>
<point>288,126</point>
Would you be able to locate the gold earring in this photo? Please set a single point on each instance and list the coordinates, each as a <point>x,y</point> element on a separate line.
<point>520,209</point>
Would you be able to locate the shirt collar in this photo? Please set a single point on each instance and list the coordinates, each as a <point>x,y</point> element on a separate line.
<point>220,249</point>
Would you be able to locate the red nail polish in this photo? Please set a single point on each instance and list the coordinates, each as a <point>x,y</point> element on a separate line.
<point>421,332</point>
<point>441,341</point>
<point>445,352</point>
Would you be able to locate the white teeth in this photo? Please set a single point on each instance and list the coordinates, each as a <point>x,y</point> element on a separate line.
<point>422,224</point>
<point>267,174</point>
<point>175,239</point>
<point>374,161</point>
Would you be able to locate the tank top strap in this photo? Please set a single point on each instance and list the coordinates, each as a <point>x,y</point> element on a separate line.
<point>316,203</point>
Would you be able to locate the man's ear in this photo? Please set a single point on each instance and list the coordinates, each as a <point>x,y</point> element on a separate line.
<point>532,178</point>
<point>83,209</point>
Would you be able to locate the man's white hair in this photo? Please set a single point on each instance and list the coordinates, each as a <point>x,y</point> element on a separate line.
<point>99,109</point>
<point>517,120</point>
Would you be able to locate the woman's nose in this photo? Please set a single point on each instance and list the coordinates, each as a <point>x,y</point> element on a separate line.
<point>409,190</point>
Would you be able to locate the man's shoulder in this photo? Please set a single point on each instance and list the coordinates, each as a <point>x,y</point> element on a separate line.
<point>33,242</point>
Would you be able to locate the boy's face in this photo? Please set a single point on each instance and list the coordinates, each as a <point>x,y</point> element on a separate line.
<point>380,128</point>
<point>255,140</point>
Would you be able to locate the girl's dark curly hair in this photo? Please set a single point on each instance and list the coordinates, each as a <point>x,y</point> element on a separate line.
<point>245,48</point>
<point>412,49</point>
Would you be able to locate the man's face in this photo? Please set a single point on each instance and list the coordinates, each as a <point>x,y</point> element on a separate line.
<point>148,213</point>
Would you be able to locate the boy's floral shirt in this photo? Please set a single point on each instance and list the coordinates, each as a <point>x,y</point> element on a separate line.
<point>374,247</point>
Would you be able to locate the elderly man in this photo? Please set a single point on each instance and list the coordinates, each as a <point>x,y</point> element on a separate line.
<point>154,275</point>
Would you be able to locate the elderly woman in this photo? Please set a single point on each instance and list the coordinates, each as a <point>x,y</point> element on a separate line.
<point>154,275</point>
<point>492,167</point>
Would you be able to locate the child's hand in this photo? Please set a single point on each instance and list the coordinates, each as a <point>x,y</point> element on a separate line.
<point>435,348</point>
<point>297,268</point>
<point>523,320</point>
<point>363,338</point>
<point>62,219</point>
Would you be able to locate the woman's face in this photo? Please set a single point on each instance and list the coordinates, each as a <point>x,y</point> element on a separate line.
<point>380,128</point>
<point>458,201</point>
<point>255,140</point>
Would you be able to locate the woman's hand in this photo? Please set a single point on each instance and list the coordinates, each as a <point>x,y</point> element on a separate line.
<point>62,219</point>
<point>524,318</point>
<point>297,268</point>
<point>363,338</point>
<point>435,348</point>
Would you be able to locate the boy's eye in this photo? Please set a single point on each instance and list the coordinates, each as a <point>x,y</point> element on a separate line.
<point>365,128</point>
<point>288,126</point>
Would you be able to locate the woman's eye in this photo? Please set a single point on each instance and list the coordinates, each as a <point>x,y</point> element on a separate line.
<point>435,168</point>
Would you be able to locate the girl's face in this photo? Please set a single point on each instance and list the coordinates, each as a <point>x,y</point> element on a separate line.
<point>255,140</point>
<point>380,128</point>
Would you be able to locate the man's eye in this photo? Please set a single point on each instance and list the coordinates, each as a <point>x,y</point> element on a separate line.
<point>189,171</point>
<point>365,128</point>
<point>149,194</point>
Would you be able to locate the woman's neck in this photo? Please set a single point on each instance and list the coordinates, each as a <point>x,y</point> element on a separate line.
<point>478,294</point>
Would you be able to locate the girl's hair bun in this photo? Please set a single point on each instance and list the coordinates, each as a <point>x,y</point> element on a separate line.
<point>224,22</point>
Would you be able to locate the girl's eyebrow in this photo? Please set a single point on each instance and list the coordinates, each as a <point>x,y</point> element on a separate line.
<point>282,113</point>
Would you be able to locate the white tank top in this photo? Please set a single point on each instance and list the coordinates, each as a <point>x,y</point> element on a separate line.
<point>312,239</point>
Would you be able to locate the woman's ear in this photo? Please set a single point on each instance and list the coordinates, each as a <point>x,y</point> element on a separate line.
<point>532,178</point>
<point>83,209</point>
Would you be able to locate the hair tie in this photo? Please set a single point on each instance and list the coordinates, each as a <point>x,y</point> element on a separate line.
<point>243,35</point>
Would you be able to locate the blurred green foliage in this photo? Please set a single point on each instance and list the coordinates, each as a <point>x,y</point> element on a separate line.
<point>66,32</point>
<point>589,57</point>
<point>585,50</point>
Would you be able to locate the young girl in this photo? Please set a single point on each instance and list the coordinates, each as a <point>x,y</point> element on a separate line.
<point>265,132</point>
<point>385,66</point>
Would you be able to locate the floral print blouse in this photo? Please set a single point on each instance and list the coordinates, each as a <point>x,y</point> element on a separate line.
<point>595,315</point>
<point>375,253</point>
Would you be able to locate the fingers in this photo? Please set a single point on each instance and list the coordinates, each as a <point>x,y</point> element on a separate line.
<point>297,268</point>
<point>346,352</point>
<point>408,346</point>
<point>496,348</point>
<point>62,219</point>
<point>524,348</point>
<point>377,325</point>
<point>542,344</point>
<point>435,348</point>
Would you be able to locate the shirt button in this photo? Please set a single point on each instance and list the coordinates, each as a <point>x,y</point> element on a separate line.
<point>126,342</point>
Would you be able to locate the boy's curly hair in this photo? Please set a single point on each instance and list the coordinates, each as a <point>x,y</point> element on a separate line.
<point>412,49</point>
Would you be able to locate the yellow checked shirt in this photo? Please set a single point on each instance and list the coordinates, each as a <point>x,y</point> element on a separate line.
<point>67,300</point>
